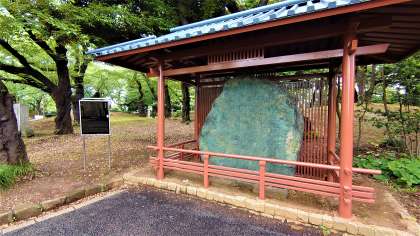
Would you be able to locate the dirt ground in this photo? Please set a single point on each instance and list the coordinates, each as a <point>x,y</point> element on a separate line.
<point>59,164</point>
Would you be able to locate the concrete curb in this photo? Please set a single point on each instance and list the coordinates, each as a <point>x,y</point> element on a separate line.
<point>408,220</point>
<point>256,206</point>
<point>32,210</point>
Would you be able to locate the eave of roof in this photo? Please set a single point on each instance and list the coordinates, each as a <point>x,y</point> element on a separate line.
<point>272,12</point>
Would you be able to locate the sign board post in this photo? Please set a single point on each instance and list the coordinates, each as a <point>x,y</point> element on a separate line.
<point>95,120</point>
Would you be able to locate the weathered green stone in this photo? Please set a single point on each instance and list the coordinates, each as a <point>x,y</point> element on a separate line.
<point>253,117</point>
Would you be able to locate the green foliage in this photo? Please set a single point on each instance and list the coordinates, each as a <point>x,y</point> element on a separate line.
<point>37,101</point>
<point>403,170</point>
<point>108,22</point>
<point>325,230</point>
<point>400,83</point>
<point>379,162</point>
<point>403,126</point>
<point>10,173</point>
<point>407,171</point>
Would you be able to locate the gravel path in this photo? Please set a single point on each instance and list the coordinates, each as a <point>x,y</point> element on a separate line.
<point>145,211</point>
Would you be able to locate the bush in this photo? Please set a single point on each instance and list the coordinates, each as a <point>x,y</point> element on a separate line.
<point>404,170</point>
<point>407,171</point>
<point>10,173</point>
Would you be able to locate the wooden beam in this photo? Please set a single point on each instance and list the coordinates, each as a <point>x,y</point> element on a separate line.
<point>397,30</point>
<point>292,34</point>
<point>189,82</point>
<point>273,78</point>
<point>401,40</point>
<point>394,36</point>
<point>366,50</point>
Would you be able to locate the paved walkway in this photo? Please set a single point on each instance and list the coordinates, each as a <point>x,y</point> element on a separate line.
<point>150,212</point>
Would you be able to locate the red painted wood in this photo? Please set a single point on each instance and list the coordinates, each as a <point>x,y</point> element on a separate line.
<point>364,194</point>
<point>346,138</point>
<point>161,121</point>
<point>206,171</point>
<point>332,126</point>
<point>261,176</point>
<point>366,50</point>
<point>276,161</point>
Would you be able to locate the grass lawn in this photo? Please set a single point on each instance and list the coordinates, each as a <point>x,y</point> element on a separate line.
<point>10,173</point>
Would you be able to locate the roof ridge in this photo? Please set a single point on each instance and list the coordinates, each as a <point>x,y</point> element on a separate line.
<point>239,14</point>
<point>122,44</point>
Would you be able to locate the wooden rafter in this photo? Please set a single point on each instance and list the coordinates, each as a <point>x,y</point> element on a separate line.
<point>312,56</point>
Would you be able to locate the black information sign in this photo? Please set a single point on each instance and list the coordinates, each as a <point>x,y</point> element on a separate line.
<point>94,116</point>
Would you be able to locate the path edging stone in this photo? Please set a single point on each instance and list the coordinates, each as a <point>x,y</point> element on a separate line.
<point>32,210</point>
<point>256,206</point>
<point>6,217</point>
<point>26,211</point>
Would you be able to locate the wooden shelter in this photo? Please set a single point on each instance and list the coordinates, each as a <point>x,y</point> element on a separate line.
<point>287,36</point>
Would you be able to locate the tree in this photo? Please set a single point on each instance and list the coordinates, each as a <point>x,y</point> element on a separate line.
<point>402,125</point>
<point>78,76</point>
<point>366,85</point>
<point>185,103</point>
<point>12,148</point>
<point>168,104</point>
<point>141,105</point>
<point>153,95</point>
<point>42,24</point>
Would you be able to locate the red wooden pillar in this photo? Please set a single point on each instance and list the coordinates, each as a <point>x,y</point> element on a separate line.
<point>261,189</point>
<point>197,112</point>
<point>332,126</point>
<point>196,109</point>
<point>206,170</point>
<point>346,129</point>
<point>160,121</point>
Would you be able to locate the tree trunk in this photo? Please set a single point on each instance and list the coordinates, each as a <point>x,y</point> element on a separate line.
<point>385,101</point>
<point>79,93</point>
<point>168,105</point>
<point>262,3</point>
<point>12,148</point>
<point>62,94</point>
<point>38,106</point>
<point>79,89</point>
<point>154,97</point>
<point>366,96</point>
<point>141,107</point>
<point>337,104</point>
<point>404,135</point>
<point>361,84</point>
<point>186,108</point>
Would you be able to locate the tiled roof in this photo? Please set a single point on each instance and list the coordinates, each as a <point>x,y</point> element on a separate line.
<point>272,12</point>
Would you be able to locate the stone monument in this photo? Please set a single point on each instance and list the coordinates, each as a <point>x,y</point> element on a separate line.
<point>253,117</point>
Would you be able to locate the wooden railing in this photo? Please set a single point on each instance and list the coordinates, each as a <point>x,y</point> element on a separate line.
<point>181,145</point>
<point>263,178</point>
<point>335,161</point>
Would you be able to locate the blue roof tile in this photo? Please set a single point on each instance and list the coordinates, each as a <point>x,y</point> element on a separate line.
<point>280,10</point>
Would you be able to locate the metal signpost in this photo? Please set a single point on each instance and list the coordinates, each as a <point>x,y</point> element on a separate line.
<point>95,120</point>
